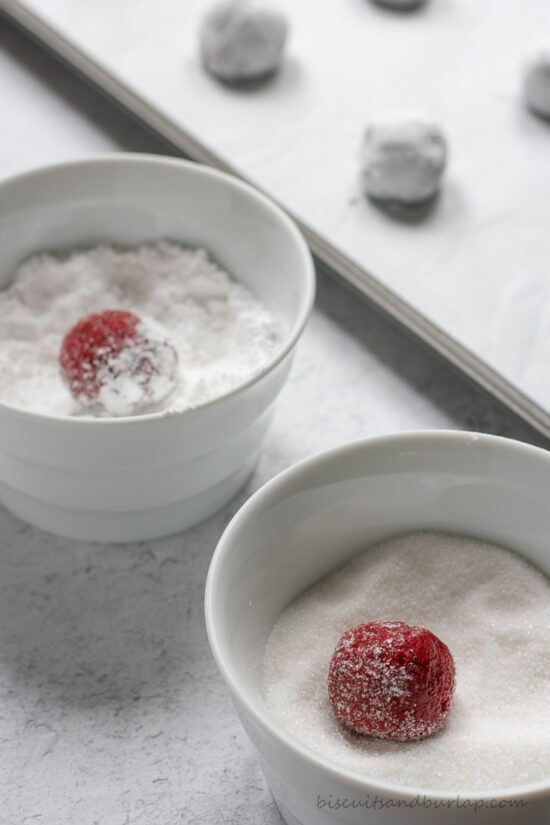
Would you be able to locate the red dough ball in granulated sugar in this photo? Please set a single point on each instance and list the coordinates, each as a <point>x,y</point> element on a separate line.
<point>391,680</point>
<point>115,362</point>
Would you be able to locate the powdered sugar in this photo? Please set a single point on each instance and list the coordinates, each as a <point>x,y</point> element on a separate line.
<point>493,611</point>
<point>223,334</point>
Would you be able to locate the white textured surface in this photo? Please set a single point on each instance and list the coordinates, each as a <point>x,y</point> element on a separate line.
<point>477,263</point>
<point>86,630</point>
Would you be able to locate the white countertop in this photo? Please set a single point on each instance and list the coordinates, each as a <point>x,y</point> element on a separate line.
<point>111,708</point>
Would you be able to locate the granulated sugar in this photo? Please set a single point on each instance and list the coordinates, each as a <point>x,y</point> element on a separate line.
<point>222,333</point>
<point>489,606</point>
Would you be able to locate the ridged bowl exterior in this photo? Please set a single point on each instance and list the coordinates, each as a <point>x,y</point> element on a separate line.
<point>136,478</point>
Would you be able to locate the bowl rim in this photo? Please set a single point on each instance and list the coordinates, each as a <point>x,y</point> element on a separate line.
<point>252,509</point>
<point>201,170</point>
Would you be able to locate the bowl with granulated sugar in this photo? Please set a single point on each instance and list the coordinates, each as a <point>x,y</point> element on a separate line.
<point>441,530</point>
<point>217,281</point>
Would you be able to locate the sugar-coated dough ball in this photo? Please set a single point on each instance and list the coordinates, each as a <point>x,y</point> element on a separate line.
<point>536,83</point>
<point>403,157</point>
<point>399,4</point>
<point>242,40</point>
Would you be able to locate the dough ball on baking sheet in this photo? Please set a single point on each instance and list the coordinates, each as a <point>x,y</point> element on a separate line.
<point>399,4</point>
<point>403,157</point>
<point>242,40</point>
<point>536,82</point>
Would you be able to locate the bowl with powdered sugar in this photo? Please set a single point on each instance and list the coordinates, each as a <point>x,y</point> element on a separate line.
<point>149,311</point>
<point>381,616</point>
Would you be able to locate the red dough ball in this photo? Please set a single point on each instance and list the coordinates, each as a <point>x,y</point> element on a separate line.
<point>115,362</point>
<point>391,680</point>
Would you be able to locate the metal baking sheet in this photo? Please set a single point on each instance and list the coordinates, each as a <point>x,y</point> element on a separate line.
<point>469,277</point>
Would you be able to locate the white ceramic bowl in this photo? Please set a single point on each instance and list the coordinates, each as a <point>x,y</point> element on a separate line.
<point>136,478</point>
<point>309,520</point>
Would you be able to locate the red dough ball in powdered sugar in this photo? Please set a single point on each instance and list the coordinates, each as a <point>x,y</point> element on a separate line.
<point>115,362</point>
<point>391,680</point>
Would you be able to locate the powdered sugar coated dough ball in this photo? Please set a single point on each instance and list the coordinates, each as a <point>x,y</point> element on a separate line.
<point>403,158</point>
<point>536,83</point>
<point>242,40</point>
<point>400,4</point>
